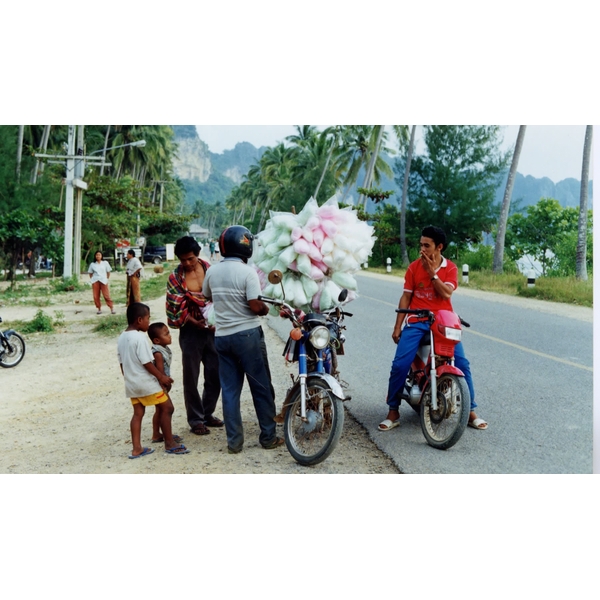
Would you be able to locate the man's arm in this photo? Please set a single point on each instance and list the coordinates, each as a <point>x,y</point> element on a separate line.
<point>258,307</point>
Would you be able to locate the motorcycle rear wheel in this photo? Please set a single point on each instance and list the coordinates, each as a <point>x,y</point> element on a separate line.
<point>13,356</point>
<point>312,442</point>
<point>443,427</point>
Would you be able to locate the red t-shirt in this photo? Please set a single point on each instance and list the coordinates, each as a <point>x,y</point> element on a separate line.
<point>418,283</point>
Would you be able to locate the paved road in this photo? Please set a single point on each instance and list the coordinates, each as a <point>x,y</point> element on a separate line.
<point>532,368</point>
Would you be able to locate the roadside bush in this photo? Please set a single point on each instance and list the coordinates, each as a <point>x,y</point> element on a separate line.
<point>41,322</point>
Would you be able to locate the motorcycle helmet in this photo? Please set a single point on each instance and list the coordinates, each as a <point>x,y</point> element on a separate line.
<point>236,241</point>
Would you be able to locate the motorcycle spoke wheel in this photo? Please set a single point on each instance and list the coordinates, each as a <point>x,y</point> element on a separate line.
<point>444,427</point>
<point>312,441</point>
<point>11,357</point>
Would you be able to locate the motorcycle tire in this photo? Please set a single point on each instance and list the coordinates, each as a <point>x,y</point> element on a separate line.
<point>312,442</point>
<point>443,427</point>
<point>12,357</point>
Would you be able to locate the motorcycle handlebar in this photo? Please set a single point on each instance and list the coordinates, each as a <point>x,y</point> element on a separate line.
<point>426,313</point>
<point>282,303</point>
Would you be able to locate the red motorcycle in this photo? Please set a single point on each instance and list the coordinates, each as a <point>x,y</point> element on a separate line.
<point>443,415</point>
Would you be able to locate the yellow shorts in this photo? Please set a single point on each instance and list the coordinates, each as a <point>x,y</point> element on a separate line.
<point>152,399</point>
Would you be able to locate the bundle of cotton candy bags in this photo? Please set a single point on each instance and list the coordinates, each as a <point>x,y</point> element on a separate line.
<point>318,251</point>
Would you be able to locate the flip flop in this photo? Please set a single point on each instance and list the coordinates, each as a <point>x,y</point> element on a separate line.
<point>478,424</point>
<point>388,424</point>
<point>176,438</point>
<point>181,449</point>
<point>145,451</point>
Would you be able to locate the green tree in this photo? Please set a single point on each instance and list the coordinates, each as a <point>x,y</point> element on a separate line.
<point>540,232</point>
<point>452,185</point>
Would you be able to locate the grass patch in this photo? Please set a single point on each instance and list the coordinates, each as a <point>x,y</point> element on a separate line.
<point>155,286</point>
<point>568,290</point>
<point>111,326</point>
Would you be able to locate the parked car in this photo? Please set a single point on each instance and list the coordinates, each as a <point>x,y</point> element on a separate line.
<point>155,254</point>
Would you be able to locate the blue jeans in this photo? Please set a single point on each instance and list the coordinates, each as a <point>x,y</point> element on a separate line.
<point>240,354</point>
<point>406,351</point>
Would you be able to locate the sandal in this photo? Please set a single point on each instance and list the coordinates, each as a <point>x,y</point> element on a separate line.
<point>388,424</point>
<point>213,422</point>
<point>200,429</point>
<point>181,449</point>
<point>274,444</point>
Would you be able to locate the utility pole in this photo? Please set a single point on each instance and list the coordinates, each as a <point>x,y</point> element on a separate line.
<point>68,263</point>
<point>73,179</point>
<point>78,181</point>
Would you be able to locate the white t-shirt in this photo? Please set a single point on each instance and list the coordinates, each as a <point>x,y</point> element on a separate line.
<point>133,265</point>
<point>99,271</point>
<point>133,351</point>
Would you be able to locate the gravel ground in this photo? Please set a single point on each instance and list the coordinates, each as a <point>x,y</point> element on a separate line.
<point>64,410</point>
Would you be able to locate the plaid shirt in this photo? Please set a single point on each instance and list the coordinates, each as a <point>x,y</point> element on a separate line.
<point>182,303</point>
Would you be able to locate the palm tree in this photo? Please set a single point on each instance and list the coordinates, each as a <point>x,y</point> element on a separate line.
<point>502,220</point>
<point>411,146</point>
<point>581,259</point>
<point>336,133</point>
<point>353,154</point>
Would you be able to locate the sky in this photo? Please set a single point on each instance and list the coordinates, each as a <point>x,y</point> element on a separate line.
<point>553,151</point>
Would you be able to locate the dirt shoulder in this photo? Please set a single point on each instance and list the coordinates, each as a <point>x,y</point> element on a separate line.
<point>64,410</point>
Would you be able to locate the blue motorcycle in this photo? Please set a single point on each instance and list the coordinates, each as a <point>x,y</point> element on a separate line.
<point>313,413</point>
<point>12,348</point>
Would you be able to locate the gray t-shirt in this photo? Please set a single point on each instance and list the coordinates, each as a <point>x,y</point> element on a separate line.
<point>230,284</point>
<point>166,354</point>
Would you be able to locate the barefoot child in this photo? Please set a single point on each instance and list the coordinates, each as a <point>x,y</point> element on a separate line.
<point>143,381</point>
<point>160,336</point>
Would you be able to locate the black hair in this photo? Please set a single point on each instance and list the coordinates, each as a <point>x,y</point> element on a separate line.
<point>185,245</point>
<point>155,329</point>
<point>101,254</point>
<point>135,311</point>
<point>131,251</point>
<point>436,234</point>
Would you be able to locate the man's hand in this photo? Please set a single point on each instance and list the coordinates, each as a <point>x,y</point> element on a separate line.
<point>428,264</point>
<point>199,323</point>
<point>396,335</point>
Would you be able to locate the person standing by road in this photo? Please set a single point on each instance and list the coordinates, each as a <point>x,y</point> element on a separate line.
<point>134,272</point>
<point>99,272</point>
<point>184,304</point>
<point>428,284</point>
<point>211,246</point>
<point>234,288</point>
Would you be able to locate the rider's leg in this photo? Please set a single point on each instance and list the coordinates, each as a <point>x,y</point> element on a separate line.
<point>405,353</point>
<point>461,362</point>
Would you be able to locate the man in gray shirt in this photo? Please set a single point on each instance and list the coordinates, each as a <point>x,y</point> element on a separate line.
<point>234,289</point>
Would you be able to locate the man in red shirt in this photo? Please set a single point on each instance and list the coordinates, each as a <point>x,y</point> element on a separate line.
<point>429,283</point>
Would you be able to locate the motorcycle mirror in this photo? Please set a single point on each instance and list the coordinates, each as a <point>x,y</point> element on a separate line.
<point>343,295</point>
<point>275,277</point>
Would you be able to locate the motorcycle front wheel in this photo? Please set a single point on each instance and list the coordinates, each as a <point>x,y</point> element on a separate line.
<point>312,441</point>
<point>443,427</point>
<point>11,357</point>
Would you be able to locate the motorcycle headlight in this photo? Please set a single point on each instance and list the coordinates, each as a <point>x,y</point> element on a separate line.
<point>453,334</point>
<point>319,337</point>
